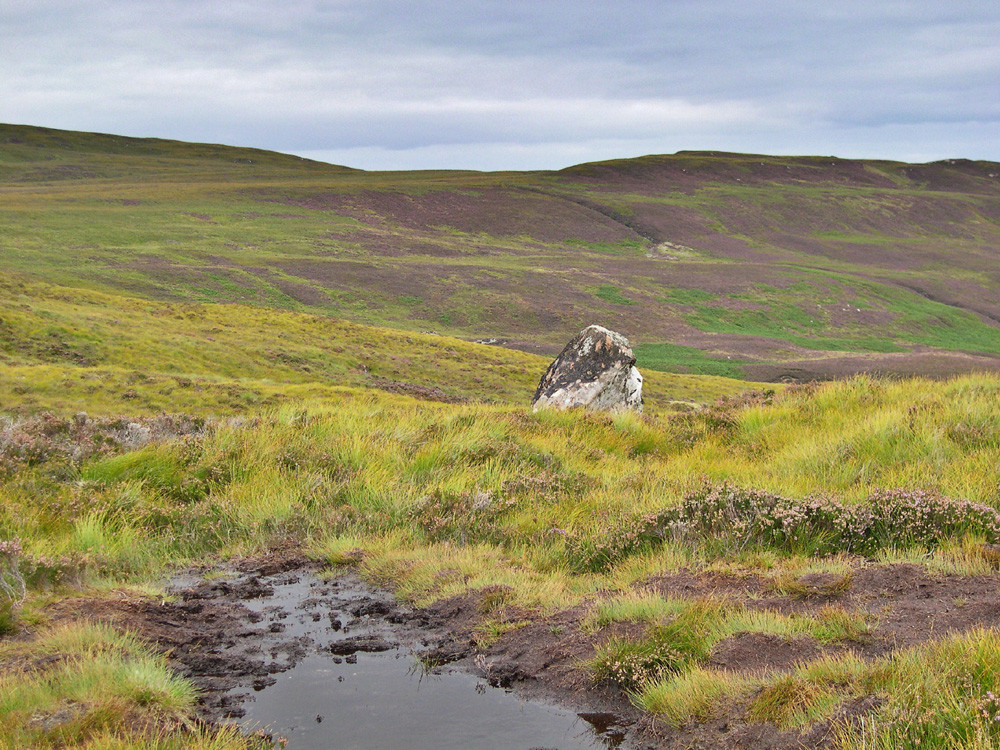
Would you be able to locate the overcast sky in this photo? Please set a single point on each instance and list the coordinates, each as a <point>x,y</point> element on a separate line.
<point>520,84</point>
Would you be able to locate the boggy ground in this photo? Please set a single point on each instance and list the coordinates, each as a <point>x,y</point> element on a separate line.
<point>906,605</point>
<point>229,649</point>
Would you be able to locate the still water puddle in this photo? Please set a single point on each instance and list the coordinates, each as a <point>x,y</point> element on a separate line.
<point>346,701</point>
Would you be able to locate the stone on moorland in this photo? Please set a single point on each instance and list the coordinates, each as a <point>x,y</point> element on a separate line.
<point>596,371</point>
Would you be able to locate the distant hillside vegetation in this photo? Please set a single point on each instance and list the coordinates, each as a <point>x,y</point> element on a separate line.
<point>740,265</point>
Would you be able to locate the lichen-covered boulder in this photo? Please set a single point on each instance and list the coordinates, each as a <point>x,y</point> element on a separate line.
<point>596,370</point>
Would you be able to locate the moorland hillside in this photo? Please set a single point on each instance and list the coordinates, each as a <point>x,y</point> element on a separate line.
<point>747,266</point>
<point>226,370</point>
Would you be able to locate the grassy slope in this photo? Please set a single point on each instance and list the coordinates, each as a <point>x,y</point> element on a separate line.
<point>64,349</point>
<point>708,262</point>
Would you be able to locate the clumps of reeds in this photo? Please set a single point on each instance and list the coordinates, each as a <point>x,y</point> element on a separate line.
<point>722,520</point>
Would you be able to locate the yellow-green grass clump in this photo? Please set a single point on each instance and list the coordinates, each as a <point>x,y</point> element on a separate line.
<point>683,632</point>
<point>945,694</point>
<point>86,685</point>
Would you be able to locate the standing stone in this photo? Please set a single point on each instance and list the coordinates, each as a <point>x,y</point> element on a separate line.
<point>595,370</point>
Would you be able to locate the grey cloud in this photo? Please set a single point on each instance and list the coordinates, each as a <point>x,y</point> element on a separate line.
<point>391,75</point>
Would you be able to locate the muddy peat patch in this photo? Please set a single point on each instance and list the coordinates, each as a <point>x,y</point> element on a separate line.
<point>335,662</point>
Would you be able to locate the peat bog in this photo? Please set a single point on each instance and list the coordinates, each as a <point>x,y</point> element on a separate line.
<point>254,463</point>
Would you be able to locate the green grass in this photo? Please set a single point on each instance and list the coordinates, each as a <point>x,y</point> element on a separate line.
<point>627,247</point>
<point>715,620</point>
<point>940,695</point>
<point>817,315</point>
<point>612,294</point>
<point>682,296</point>
<point>676,357</point>
<point>95,677</point>
<point>683,632</point>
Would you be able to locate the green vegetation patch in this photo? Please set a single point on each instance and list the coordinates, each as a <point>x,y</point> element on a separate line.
<point>801,314</point>
<point>683,633</point>
<point>680,296</point>
<point>611,293</point>
<point>831,316</point>
<point>102,674</point>
<point>939,695</point>
<point>678,358</point>
<point>624,247</point>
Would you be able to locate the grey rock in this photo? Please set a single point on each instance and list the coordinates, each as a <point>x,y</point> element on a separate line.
<point>596,371</point>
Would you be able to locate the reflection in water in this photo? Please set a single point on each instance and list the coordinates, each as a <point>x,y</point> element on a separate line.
<point>386,700</point>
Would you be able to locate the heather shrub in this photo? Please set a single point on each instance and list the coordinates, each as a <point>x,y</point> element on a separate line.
<point>63,443</point>
<point>632,664</point>
<point>623,537</point>
<point>462,518</point>
<point>12,589</point>
<point>725,520</point>
<point>902,517</point>
<point>46,571</point>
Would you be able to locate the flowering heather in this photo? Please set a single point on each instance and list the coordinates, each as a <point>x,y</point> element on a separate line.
<point>462,517</point>
<point>10,547</point>
<point>725,519</point>
<point>48,439</point>
<point>12,588</point>
<point>632,664</point>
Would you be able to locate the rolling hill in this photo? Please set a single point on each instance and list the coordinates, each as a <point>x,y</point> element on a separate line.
<point>747,266</point>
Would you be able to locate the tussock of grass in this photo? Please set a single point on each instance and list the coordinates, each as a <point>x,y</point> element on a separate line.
<point>90,676</point>
<point>339,550</point>
<point>635,606</point>
<point>791,584</point>
<point>683,632</point>
<point>789,702</point>
<point>970,555</point>
<point>943,694</point>
<point>689,696</point>
<point>196,738</point>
